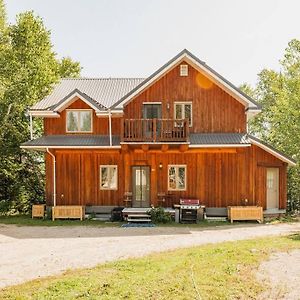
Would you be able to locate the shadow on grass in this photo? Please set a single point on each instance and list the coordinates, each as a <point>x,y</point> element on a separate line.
<point>295,237</point>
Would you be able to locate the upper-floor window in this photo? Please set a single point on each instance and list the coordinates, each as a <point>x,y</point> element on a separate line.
<point>79,120</point>
<point>108,177</point>
<point>177,177</point>
<point>183,110</point>
<point>184,70</point>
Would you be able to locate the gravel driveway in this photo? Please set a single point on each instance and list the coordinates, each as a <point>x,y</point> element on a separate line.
<point>31,252</point>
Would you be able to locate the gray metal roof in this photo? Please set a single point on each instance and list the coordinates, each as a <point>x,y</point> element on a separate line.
<point>72,140</point>
<point>104,91</point>
<point>218,138</point>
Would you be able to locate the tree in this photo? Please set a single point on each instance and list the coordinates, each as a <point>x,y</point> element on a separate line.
<point>279,122</point>
<point>28,70</point>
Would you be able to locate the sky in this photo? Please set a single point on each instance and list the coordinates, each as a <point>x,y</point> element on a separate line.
<point>133,38</point>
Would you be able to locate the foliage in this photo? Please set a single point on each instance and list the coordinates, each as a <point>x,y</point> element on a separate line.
<point>158,215</point>
<point>223,271</point>
<point>279,122</point>
<point>28,69</point>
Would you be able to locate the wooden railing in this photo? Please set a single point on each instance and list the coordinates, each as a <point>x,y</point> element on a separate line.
<point>154,130</point>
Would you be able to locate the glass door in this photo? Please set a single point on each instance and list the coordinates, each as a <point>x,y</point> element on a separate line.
<point>141,186</point>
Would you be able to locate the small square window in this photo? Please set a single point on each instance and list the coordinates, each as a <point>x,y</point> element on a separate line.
<point>79,120</point>
<point>176,177</point>
<point>184,70</point>
<point>109,177</point>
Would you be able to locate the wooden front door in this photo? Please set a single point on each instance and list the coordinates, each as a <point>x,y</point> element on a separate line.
<point>141,186</point>
<point>272,188</point>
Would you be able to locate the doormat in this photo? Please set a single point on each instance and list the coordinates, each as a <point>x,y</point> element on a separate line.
<point>138,225</point>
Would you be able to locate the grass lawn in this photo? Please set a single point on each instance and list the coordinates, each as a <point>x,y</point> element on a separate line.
<point>223,271</point>
<point>26,220</point>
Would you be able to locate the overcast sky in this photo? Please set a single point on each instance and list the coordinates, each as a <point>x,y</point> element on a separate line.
<point>132,38</point>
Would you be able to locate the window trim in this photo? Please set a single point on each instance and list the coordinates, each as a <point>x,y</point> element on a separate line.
<point>182,104</point>
<point>78,110</point>
<point>100,178</point>
<point>183,68</point>
<point>185,176</point>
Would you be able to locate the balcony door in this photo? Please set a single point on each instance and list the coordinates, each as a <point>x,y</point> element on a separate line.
<point>151,111</point>
<point>141,186</point>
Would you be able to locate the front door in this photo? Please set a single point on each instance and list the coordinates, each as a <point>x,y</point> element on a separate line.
<point>141,186</point>
<point>272,188</point>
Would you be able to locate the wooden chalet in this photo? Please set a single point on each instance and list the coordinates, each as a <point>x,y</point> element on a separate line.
<point>180,133</point>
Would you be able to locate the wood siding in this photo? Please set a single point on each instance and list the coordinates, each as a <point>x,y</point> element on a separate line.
<point>213,109</point>
<point>100,124</point>
<point>217,178</point>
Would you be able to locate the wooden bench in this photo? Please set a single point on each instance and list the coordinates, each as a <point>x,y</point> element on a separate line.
<point>245,213</point>
<point>38,211</point>
<point>68,212</point>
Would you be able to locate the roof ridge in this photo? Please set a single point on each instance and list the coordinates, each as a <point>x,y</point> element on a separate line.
<point>101,78</point>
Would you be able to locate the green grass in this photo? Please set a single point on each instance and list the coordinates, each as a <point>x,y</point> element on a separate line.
<point>26,220</point>
<point>223,271</point>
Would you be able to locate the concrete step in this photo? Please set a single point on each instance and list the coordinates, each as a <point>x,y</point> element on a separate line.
<point>139,216</point>
<point>138,220</point>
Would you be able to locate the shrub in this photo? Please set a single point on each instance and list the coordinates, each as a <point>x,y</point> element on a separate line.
<point>158,215</point>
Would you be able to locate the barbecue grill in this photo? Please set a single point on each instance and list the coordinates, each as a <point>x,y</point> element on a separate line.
<point>190,210</point>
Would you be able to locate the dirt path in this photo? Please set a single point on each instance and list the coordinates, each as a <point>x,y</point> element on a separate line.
<point>31,252</point>
<point>282,273</point>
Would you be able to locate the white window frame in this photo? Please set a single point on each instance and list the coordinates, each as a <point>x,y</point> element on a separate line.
<point>79,110</point>
<point>109,167</point>
<point>176,175</point>
<point>184,70</point>
<point>182,103</point>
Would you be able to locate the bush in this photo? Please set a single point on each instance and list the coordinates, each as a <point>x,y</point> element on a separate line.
<point>158,215</point>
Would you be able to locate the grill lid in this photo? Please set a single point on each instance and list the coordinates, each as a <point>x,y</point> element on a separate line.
<point>189,201</point>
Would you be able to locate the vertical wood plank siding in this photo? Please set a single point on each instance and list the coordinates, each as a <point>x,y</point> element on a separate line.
<point>217,179</point>
<point>100,124</point>
<point>213,109</point>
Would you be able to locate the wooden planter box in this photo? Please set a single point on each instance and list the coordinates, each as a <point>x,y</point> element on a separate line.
<point>38,211</point>
<point>245,213</point>
<point>68,212</point>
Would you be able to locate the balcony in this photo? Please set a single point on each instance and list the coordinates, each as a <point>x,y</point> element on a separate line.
<point>155,130</point>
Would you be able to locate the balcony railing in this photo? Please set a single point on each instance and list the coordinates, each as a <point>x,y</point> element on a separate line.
<point>154,130</point>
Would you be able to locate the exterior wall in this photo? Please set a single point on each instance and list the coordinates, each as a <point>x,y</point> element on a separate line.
<point>100,124</point>
<point>213,109</point>
<point>217,178</point>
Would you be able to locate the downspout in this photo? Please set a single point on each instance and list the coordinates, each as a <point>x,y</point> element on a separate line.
<point>54,176</point>
<point>109,122</point>
<point>31,127</point>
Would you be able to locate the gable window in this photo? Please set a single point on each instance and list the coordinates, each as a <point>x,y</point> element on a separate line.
<point>79,120</point>
<point>183,110</point>
<point>108,177</point>
<point>184,70</point>
<point>177,177</point>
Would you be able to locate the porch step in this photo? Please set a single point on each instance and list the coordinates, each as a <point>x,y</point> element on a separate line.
<point>138,218</point>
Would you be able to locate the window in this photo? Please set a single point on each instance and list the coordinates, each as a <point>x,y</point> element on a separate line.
<point>184,70</point>
<point>79,120</point>
<point>183,110</point>
<point>176,177</point>
<point>108,177</point>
